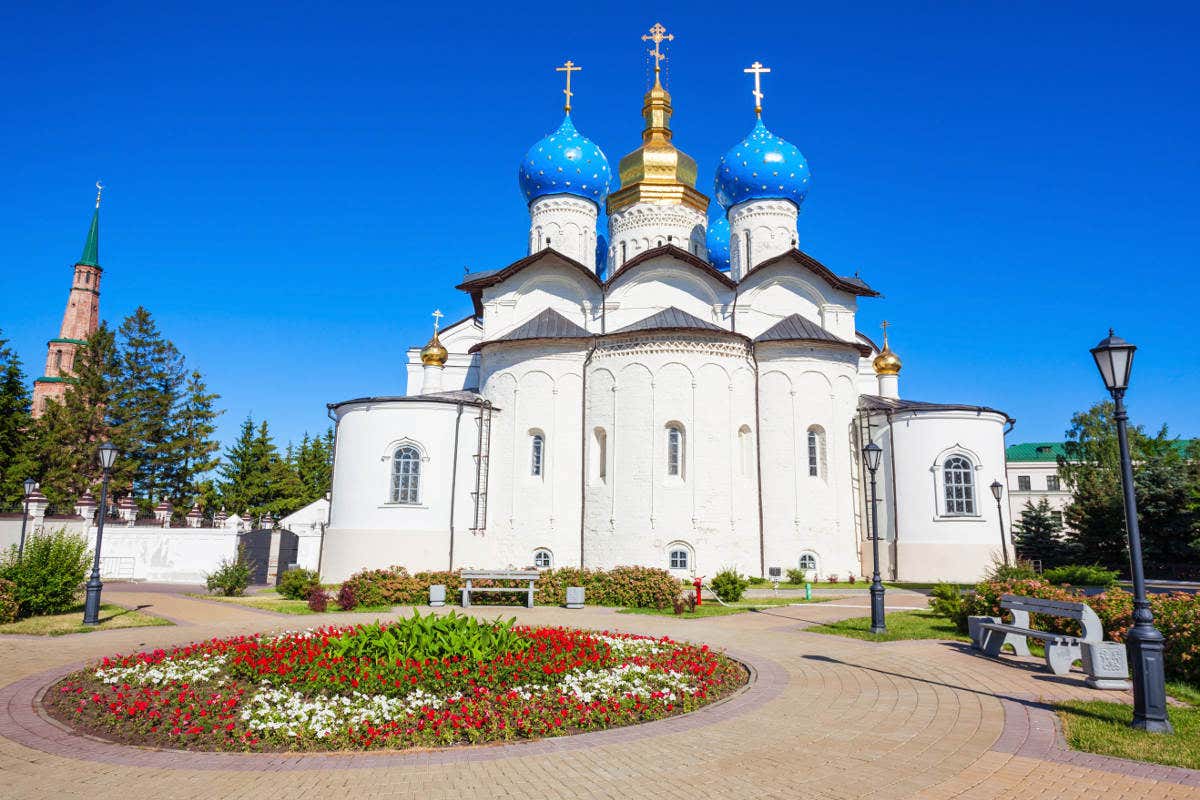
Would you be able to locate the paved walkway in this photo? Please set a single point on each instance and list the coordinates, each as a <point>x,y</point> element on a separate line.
<point>825,717</point>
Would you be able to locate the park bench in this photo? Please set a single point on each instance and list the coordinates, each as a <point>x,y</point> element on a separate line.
<point>526,576</point>
<point>989,634</point>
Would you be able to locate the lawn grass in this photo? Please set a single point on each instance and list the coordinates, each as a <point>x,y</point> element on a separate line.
<point>1096,726</point>
<point>1184,692</point>
<point>273,601</point>
<point>111,618</point>
<point>900,625</point>
<point>916,587</point>
<point>712,608</point>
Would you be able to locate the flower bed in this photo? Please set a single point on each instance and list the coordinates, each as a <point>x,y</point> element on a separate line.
<point>357,688</point>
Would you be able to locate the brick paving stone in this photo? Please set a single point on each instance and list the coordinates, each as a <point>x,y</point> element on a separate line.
<point>826,717</point>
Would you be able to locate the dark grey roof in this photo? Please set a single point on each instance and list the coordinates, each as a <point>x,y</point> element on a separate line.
<point>454,397</point>
<point>671,318</point>
<point>547,325</point>
<point>873,402</point>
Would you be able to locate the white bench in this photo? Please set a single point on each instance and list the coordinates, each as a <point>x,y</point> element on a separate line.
<point>527,576</point>
<point>989,634</point>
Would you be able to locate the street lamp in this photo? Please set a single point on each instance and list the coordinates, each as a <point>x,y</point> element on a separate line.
<point>1144,643</point>
<point>91,605</point>
<point>997,490</point>
<point>30,485</point>
<point>872,453</point>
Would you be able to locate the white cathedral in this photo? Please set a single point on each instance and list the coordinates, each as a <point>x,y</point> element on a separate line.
<point>679,394</point>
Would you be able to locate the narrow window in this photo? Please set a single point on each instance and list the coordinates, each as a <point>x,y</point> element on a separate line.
<point>406,476</point>
<point>1052,484</point>
<point>816,451</point>
<point>678,558</point>
<point>747,250</point>
<point>623,256</point>
<point>959,477</point>
<point>674,450</point>
<point>537,447</point>
<point>57,360</point>
<point>1023,483</point>
<point>600,458</point>
<point>542,559</point>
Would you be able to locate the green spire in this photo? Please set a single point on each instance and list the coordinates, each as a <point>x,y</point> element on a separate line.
<point>91,247</point>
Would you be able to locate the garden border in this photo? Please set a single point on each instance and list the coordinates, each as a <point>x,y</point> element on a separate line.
<point>24,721</point>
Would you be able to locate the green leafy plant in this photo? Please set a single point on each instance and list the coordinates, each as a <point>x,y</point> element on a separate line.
<point>1020,571</point>
<point>797,575</point>
<point>729,585</point>
<point>49,576</point>
<point>295,584</point>
<point>433,636</point>
<point>1081,575</point>
<point>232,576</point>
<point>947,600</point>
<point>9,607</point>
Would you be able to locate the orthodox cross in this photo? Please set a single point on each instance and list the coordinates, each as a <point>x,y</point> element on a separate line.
<point>437,319</point>
<point>884,325</point>
<point>658,34</point>
<point>99,189</point>
<point>568,68</point>
<point>759,70</point>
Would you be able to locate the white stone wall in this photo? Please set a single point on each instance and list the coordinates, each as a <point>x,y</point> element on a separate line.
<point>564,223</point>
<point>662,283</point>
<point>532,291</point>
<point>637,386</point>
<point>308,524</point>
<point>365,527</point>
<point>759,230</point>
<point>462,368</point>
<point>924,543</point>
<point>644,226</point>
<point>805,388</point>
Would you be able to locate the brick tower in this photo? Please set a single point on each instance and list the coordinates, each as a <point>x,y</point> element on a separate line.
<point>80,320</point>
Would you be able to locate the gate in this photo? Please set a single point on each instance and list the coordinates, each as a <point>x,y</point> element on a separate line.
<point>257,550</point>
<point>289,549</point>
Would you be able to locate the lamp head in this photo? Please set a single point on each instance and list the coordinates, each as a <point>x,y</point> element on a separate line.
<point>108,456</point>
<point>30,485</point>
<point>872,454</point>
<point>1114,359</point>
<point>997,490</point>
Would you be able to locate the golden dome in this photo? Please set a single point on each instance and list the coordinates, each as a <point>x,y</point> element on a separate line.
<point>657,172</point>
<point>434,354</point>
<point>887,362</point>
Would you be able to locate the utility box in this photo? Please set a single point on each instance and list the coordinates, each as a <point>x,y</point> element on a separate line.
<point>574,597</point>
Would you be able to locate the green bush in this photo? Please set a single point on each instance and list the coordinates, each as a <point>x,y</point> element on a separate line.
<point>947,600</point>
<point>49,577</point>
<point>346,599</point>
<point>232,575</point>
<point>295,584</point>
<point>797,575</point>
<point>434,636</point>
<point>8,601</point>
<point>1019,571</point>
<point>1081,575</point>
<point>729,585</point>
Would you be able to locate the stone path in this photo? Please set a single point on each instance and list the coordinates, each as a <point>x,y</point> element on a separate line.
<point>825,717</point>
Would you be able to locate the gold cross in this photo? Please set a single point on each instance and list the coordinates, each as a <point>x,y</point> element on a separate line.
<point>568,68</point>
<point>759,70</point>
<point>437,318</point>
<point>658,34</point>
<point>885,325</point>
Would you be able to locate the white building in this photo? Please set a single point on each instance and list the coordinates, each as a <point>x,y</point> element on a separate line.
<point>1033,477</point>
<point>669,394</point>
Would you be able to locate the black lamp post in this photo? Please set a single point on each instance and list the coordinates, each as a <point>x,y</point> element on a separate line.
<point>91,605</point>
<point>997,490</point>
<point>1144,643</point>
<point>872,453</point>
<point>30,485</point>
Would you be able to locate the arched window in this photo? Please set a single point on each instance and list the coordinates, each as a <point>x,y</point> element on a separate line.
<point>406,475</point>
<point>600,457</point>
<point>675,449</point>
<point>746,450</point>
<point>537,452</point>
<point>57,360</point>
<point>542,558</point>
<point>808,562</point>
<point>679,558</point>
<point>958,475</point>
<point>816,451</point>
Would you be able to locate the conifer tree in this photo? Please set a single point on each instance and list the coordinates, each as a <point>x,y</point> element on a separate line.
<point>240,482</point>
<point>314,465</point>
<point>1038,536</point>
<point>194,423</point>
<point>150,385</point>
<point>16,457</point>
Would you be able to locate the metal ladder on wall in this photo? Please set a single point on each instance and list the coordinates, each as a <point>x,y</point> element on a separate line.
<point>482,458</point>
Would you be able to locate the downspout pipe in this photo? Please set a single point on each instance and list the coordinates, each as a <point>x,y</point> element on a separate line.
<point>454,482</point>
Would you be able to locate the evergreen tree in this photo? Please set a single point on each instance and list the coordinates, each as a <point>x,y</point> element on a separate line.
<point>150,385</point>
<point>241,482</point>
<point>194,425</point>
<point>314,465</point>
<point>1166,516</point>
<point>286,490</point>
<point>1038,536</point>
<point>16,457</point>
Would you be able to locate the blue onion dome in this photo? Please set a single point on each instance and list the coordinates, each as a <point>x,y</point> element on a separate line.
<point>762,167</point>
<point>565,162</point>
<point>718,242</point>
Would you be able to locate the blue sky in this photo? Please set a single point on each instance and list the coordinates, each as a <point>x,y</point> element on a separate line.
<point>286,183</point>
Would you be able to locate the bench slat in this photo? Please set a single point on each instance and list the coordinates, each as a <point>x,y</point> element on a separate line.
<point>516,575</point>
<point>1047,636</point>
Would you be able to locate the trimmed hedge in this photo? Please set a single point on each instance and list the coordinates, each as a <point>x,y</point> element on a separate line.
<point>629,587</point>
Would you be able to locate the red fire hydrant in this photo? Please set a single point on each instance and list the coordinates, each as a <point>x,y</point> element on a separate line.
<point>697,583</point>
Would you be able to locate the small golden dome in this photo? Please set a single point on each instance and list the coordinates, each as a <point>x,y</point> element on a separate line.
<point>887,362</point>
<point>434,354</point>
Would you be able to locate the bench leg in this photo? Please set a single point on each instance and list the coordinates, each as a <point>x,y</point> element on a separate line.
<point>992,642</point>
<point>529,598</point>
<point>466,598</point>
<point>1020,644</point>
<point>1060,656</point>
